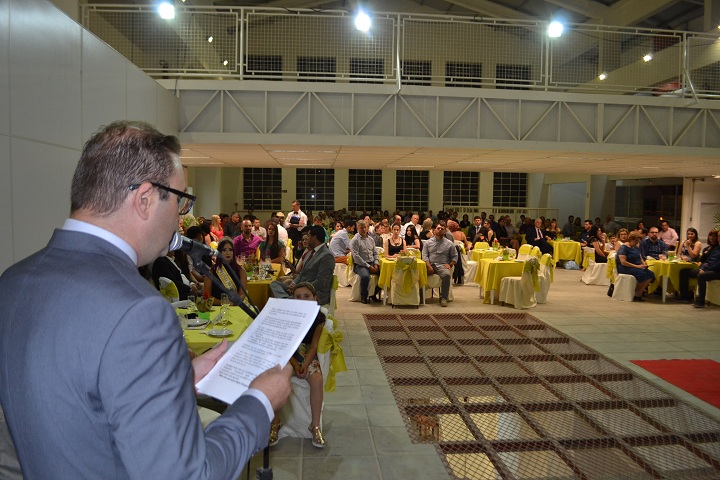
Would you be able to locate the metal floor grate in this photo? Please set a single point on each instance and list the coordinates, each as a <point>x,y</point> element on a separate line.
<point>505,396</point>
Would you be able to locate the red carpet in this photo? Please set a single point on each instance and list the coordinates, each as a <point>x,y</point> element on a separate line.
<point>698,377</point>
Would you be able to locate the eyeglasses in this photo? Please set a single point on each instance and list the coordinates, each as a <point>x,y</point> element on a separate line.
<point>185,200</point>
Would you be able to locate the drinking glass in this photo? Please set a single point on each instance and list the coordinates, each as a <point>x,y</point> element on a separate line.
<point>192,306</point>
<point>224,300</point>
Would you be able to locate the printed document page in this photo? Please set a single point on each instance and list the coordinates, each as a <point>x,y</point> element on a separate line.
<point>271,339</point>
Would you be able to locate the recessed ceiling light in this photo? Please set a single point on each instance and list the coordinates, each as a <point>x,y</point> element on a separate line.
<point>210,38</point>
<point>647,57</point>
<point>555,29</point>
<point>166,11</point>
<point>602,76</point>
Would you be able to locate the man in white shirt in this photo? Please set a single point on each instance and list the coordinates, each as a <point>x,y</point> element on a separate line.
<point>295,222</point>
<point>258,229</point>
<point>282,233</point>
<point>668,235</point>
<point>414,219</point>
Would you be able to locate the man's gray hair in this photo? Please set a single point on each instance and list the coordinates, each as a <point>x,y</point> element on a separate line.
<point>121,154</point>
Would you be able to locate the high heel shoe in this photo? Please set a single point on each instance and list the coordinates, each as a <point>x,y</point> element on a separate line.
<point>317,437</point>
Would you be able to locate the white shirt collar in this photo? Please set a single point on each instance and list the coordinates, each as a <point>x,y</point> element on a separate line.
<point>74,225</point>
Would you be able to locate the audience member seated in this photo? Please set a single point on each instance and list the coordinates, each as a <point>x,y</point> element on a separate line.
<point>246,243</point>
<point>272,249</point>
<point>630,261</point>
<point>709,270</point>
<point>208,236</point>
<point>536,236</point>
<point>413,223</point>
<point>585,234</point>
<point>440,257</point>
<point>465,222</point>
<point>508,234</point>
<point>412,239</point>
<point>259,230</point>
<point>379,234</point>
<point>365,259</point>
<point>611,226</point>
<point>553,231</point>
<point>168,268</point>
<point>216,227</point>
<point>458,234</point>
<point>691,248</point>
<point>668,235</point>
<point>395,244</point>
<point>473,229</point>
<point>595,241</point>
<point>610,243</point>
<point>219,270</point>
<point>306,366</point>
<point>338,227</point>
<point>652,246</point>
<point>622,237</point>
<point>486,234</point>
<point>340,242</point>
<point>426,231</point>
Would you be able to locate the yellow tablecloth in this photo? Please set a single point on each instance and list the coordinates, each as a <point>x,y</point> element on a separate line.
<point>388,266</point>
<point>670,270</point>
<point>329,343</point>
<point>480,254</point>
<point>566,250</point>
<point>259,290</point>
<point>491,272</point>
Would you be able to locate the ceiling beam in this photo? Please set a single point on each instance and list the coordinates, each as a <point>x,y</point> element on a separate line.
<point>588,8</point>
<point>632,12</point>
<point>491,9</point>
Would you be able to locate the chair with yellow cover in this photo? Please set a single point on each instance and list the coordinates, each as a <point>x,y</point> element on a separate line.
<point>168,289</point>
<point>524,252</point>
<point>545,277</point>
<point>595,273</point>
<point>520,291</point>
<point>712,292</point>
<point>405,283</point>
<point>481,246</point>
<point>354,280</point>
<point>536,252</point>
<point>296,415</point>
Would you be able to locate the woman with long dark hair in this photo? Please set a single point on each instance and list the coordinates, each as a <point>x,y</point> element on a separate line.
<point>272,249</point>
<point>219,270</point>
<point>709,270</point>
<point>690,249</point>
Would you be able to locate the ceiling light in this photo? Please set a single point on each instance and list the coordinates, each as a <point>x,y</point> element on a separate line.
<point>225,62</point>
<point>362,21</point>
<point>602,76</point>
<point>555,29</point>
<point>647,57</point>
<point>210,38</point>
<point>415,166</point>
<point>166,10</point>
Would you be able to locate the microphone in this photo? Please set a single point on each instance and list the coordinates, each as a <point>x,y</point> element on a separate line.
<point>192,247</point>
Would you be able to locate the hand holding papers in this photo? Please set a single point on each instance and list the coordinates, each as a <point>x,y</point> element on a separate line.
<point>271,339</point>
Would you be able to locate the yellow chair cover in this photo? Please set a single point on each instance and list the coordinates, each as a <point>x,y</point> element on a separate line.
<point>587,257</point>
<point>405,274</point>
<point>289,246</point>
<point>532,265</point>
<point>481,245</point>
<point>525,249</point>
<point>330,342</point>
<point>549,263</point>
<point>170,292</point>
<point>610,269</point>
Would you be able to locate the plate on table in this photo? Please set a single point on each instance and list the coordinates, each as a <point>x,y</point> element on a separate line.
<point>225,332</point>
<point>197,323</point>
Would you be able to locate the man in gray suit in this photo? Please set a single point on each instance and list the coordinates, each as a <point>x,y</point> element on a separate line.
<point>317,266</point>
<point>95,376</point>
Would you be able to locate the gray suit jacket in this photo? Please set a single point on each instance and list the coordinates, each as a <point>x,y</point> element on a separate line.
<point>319,271</point>
<point>95,377</point>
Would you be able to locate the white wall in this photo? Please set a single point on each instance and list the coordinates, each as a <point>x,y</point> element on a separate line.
<point>56,89</point>
<point>568,198</point>
<point>701,201</point>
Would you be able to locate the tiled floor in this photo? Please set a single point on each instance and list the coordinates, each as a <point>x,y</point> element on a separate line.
<point>366,436</point>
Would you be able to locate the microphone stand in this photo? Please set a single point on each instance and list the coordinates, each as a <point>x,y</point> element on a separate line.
<point>265,472</point>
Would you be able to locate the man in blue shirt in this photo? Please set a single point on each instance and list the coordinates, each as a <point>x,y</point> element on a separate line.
<point>652,246</point>
<point>340,242</point>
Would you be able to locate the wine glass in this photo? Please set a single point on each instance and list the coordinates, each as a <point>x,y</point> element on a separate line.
<point>224,300</point>
<point>192,306</point>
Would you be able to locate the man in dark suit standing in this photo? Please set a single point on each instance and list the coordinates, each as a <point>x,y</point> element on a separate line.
<point>317,266</point>
<point>101,384</point>
<point>535,236</point>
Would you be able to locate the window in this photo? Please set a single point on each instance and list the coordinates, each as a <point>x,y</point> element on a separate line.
<point>264,66</point>
<point>371,68</point>
<point>459,74</point>
<point>321,69</point>
<point>416,72</point>
<point>509,189</point>
<point>365,189</point>
<point>461,189</point>
<point>512,77</point>
<point>315,188</point>
<point>261,188</point>
<point>411,190</point>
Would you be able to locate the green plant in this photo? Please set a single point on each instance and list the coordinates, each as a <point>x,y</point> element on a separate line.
<point>716,219</point>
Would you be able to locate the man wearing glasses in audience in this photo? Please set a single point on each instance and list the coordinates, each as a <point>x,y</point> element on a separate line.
<point>95,376</point>
<point>652,246</point>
